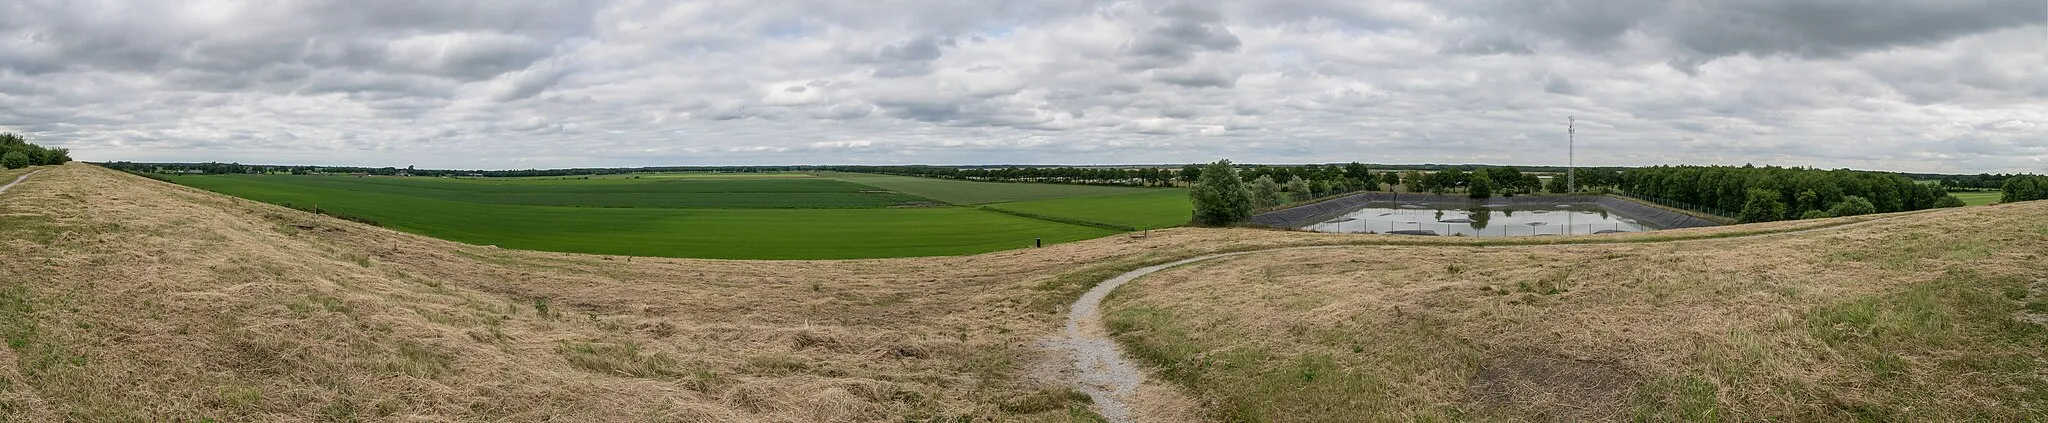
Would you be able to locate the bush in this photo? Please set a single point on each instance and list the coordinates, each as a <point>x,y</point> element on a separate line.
<point>2025,188</point>
<point>1220,197</point>
<point>14,160</point>
<point>1853,206</point>
<point>16,153</point>
<point>1763,206</point>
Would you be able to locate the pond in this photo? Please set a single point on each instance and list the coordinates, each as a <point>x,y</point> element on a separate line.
<point>1480,220</point>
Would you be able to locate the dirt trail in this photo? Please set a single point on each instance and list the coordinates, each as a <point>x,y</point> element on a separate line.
<point>24,177</point>
<point>1098,367</point>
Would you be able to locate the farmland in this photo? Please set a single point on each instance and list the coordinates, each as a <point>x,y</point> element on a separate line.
<point>733,216</point>
<point>1978,198</point>
<point>1149,209</point>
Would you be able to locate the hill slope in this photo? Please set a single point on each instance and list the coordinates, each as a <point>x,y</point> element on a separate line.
<point>123,298</point>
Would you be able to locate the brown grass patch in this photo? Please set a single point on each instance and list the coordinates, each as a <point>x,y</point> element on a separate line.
<point>1899,319</point>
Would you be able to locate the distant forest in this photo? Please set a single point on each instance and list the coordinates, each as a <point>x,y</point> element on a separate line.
<point>1759,193</point>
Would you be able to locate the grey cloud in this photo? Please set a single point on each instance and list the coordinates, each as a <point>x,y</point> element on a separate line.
<point>1560,85</point>
<point>1883,84</point>
<point>1188,30</point>
<point>1488,45</point>
<point>1196,78</point>
<point>911,57</point>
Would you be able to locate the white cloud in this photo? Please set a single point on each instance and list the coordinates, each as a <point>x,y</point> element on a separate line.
<point>625,83</point>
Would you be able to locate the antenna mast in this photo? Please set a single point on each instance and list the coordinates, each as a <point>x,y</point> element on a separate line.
<point>1571,171</point>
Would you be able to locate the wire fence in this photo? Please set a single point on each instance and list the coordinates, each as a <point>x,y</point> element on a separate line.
<point>1682,206</point>
<point>1471,230</point>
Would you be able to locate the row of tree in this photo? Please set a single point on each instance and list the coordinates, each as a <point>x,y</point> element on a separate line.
<point>16,152</point>
<point>1764,194</point>
<point>1981,181</point>
<point>232,168</point>
<point>2024,188</point>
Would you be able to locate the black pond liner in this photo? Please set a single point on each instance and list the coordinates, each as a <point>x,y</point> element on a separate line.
<point>1311,214</point>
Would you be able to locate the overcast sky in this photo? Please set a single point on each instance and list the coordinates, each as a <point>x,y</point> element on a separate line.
<point>1909,85</point>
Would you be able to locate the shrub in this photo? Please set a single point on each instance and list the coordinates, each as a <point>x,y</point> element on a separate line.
<point>1762,206</point>
<point>1853,206</point>
<point>14,160</point>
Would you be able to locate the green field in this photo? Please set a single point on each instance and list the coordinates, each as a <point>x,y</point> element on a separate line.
<point>1149,209</point>
<point>730,216</point>
<point>973,192</point>
<point>1978,198</point>
<point>762,192</point>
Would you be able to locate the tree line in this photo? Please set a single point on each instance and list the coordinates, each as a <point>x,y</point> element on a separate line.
<point>1770,193</point>
<point>2024,188</point>
<point>16,152</point>
<point>232,168</point>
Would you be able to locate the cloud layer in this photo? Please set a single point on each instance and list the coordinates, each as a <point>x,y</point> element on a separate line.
<point>1884,84</point>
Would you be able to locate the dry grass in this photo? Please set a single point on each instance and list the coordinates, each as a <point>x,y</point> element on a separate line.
<point>132,299</point>
<point>1918,319</point>
<point>128,299</point>
<point>123,298</point>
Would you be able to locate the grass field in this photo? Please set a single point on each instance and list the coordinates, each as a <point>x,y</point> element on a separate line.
<point>717,215</point>
<point>973,192</point>
<point>1978,198</point>
<point>504,213</point>
<point>745,192</point>
<point>124,299</point>
<point>1913,321</point>
<point>1151,209</point>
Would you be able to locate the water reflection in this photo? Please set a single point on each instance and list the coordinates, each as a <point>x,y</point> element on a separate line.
<point>1466,219</point>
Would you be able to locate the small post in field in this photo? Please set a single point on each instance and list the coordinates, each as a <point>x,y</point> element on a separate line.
<point>1038,243</point>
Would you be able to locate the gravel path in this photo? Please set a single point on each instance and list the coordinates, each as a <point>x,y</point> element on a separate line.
<point>24,177</point>
<point>1098,367</point>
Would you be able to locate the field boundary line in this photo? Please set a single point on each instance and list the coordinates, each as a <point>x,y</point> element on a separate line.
<point>1057,219</point>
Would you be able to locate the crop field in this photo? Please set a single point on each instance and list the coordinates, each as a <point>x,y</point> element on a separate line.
<point>1978,198</point>
<point>973,192</point>
<point>770,192</point>
<point>131,300</point>
<point>727,215</point>
<point>1151,209</point>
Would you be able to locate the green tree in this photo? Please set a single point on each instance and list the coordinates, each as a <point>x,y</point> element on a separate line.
<point>1852,206</point>
<point>1392,179</point>
<point>1220,197</point>
<point>1267,193</point>
<point>2023,188</point>
<point>1190,173</point>
<point>1482,185</point>
<point>14,159</point>
<point>1763,206</point>
<point>1356,170</point>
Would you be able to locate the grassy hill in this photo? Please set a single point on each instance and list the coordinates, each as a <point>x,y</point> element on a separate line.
<point>126,299</point>
<point>1928,317</point>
